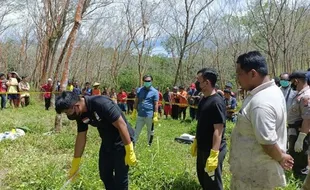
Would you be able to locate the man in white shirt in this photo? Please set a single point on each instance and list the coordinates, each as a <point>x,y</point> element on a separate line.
<point>258,141</point>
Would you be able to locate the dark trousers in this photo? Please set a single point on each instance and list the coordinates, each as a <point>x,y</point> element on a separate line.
<point>47,103</point>
<point>205,180</point>
<point>175,112</point>
<point>182,111</point>
<point>27,100</point>
<point>112,168</point>
<point>300,158</point>
<point>192,113</point>
<point>3,100</point>
<point>130,107</point>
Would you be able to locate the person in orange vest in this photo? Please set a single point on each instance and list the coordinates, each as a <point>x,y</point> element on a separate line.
<point>96,90</point>
<point>183,102</point>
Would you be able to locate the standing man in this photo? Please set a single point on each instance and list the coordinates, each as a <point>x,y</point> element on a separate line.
<point>131,100</point>
<point>47,89</point>
<point>167,101</point>
<point>210,144</point>
<point>258,141</point>
<point>231,105</point>
<point>298,118</point>
<point>122,99</point>
<point>87,91</point>
<point>116,151</point>
<point>286,89</point>
<point>146,103</point>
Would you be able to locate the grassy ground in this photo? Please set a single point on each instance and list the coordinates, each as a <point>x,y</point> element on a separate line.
<point>38,161</point>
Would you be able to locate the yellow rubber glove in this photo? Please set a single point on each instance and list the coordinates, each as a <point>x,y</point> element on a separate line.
<point>74,167</point>
<point>194,148</point>
<point>155,117</point>
<point>212,161</point>
<point>134,114</point>
<point>130,157</point>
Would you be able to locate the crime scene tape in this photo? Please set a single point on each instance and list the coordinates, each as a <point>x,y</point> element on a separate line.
<point>130,99</point>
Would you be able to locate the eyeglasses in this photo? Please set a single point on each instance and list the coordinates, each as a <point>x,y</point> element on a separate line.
<point>147,81</point>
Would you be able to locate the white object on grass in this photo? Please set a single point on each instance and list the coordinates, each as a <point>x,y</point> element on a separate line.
<point>187,136</point>
<point>12,135</point>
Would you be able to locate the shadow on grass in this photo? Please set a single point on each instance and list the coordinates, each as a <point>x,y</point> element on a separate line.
<point>183,182</point>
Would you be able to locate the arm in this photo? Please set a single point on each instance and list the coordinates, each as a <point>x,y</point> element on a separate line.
<point>274,151</point>
<point>217,136</point>
<point>123,130</point>
<point>80,143</point>
<point>305,127</point>
<point>156,106</point>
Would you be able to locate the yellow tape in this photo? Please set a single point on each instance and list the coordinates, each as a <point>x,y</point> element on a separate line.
<point>57,92</point>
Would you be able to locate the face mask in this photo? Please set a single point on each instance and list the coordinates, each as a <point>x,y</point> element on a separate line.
<point>73,116</point>
<point>293,86</point>
<point>284,83</point>
<point>198,86</point>
<point>147,84</point>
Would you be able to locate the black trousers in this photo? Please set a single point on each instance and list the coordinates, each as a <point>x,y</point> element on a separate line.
<point>300,158</point>
<point>47,103</point>
<point>192,113</point>
<point>205,180</point>
<point>112,168</point>
<point>182,111</point>
<point>175,112</point>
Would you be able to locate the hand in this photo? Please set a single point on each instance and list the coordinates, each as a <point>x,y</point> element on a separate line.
<point>287,162</point>
<point>134,114</point>
<point>300,142</point>
<point>155,117</point>
<point>212,161</point>
<point>74,168</point>
<point>194,148</point>
<point>130,157</point>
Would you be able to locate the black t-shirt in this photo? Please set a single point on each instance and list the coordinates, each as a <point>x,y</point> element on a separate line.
<point>131,96</point>
<point>211,110</point>
<point>101,113</point>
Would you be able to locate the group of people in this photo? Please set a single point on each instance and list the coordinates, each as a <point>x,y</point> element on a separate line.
<point>15,89</point>
<point>258,151</point>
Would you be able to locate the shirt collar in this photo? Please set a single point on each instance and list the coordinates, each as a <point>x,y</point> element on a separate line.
<point>262,87</point>
<point>303,90</point>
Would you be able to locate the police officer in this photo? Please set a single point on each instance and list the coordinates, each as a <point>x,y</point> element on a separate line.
<point>298,122</point>
<point>116,151</point>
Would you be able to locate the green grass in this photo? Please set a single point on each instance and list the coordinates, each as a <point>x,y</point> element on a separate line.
<point>36,161</point>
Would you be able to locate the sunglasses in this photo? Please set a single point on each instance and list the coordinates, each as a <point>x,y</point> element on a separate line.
<point>147,81</point>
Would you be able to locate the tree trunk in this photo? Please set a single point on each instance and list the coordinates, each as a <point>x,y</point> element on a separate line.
<point>81,8</point>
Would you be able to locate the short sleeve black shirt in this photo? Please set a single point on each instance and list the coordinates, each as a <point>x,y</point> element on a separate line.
<point>211,110</point>
<point>101,113</point>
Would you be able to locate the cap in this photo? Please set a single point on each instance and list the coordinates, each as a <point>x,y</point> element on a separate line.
<point>96,84</point>
<point>228,85</point>
<point>298,75</point>
<point>49,79</point>
<point>193,86</point>
<point>175,88</point>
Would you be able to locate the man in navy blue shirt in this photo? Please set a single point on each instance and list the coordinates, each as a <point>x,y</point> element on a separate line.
<point>146,106</point>
<point>116,151</point>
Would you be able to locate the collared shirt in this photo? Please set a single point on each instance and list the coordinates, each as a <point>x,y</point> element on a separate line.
<point>261,121</point>
<point>300,108</point>
<point>289,95</point>
<point>146,101</point>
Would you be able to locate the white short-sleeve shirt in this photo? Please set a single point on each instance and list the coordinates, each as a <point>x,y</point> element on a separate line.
<point>261,121</point>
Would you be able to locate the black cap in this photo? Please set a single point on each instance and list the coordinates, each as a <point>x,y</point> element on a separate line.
<point>298,75</point>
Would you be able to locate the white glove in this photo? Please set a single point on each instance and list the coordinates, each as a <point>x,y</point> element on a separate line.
<point>300,142</point>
